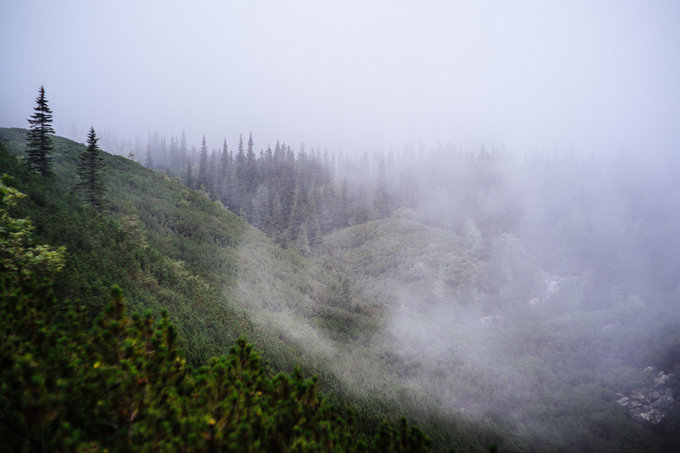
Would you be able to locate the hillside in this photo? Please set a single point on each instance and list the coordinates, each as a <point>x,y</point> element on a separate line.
<point>120,383</point>
<point>470,325</point>
<point>171,248</point>
<point>458,330</point>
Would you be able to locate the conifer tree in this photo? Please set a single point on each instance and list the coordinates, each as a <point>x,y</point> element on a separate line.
<point>189,178</point>
<point>213,176</point>
<point>90,166</point>
<point>221,171</point>
<point>149,156</point>
<point>183,152</point>
<point>240,177</point>
<point>173,154</point>
<point>38,142</point>
<point>251,167</point>
<point>203,179</point>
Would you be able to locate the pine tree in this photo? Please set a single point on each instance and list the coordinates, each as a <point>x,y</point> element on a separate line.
<point>173,154</point>
<point>189,178</point>
<point>213,175</point>
<point>203,178</point>
<point>251,168</point>
<point>149,156</point>
<point>240,177</point>
<point>90,166</point>
<point>222,172</point>
<point>183,152</point>
<point>38,142</point>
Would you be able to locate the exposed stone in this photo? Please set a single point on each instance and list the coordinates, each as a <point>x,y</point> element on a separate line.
<point>664,402</point>
<point>651,403</point>
<point>623,400</point>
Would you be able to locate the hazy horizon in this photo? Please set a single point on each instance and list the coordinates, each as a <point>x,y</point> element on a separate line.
<point>352,76</point>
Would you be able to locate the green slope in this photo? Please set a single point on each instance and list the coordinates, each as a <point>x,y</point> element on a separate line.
<point>388,313</point>
<point>168,247</point>
<point>172,248</point>
<point>121,384</point>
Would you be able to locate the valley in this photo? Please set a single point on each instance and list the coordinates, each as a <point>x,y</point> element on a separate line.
<point>481,325</point>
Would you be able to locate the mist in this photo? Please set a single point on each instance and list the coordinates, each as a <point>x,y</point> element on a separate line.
<point>533,293</point>
<point>525,272</point>
<point>352,76</point>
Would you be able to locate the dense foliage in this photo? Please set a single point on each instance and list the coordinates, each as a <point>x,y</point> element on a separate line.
<point>294,197</point>
<point>121,383</point>
<point>452,317</point>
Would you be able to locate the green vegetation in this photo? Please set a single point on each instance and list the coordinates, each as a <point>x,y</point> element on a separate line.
<point>122,384</point>
<point>192,281</point>
<point>455,327</point>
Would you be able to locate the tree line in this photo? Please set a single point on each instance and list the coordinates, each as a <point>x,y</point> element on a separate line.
<point>294,197</point>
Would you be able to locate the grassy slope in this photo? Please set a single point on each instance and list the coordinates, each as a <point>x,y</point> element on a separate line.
<point>159,245</point>
<point>170,248</point>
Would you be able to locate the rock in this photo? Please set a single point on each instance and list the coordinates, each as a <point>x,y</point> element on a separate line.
<point>650,404</point>
<point>637,395</point>
<point>664,402</point>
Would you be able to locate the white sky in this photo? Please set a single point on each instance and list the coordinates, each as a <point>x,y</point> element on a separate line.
<point>351,75</point>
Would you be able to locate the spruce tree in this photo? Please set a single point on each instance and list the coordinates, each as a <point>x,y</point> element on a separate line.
<point>251,168</point>
<point>240,177</point>
<point>90,166</point>
<point>38,142</point>
<point>203,177</point>
<point>189,178</point>
<point>149,156</point>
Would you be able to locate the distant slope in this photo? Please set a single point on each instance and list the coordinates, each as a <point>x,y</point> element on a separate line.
<point>469,325</point>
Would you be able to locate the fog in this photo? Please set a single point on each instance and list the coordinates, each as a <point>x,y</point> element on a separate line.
<point>535,294</point>
<point>351,76</point>
<point>530,252</point>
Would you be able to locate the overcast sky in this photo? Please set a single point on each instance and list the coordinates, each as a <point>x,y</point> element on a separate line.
<point>351,75</point>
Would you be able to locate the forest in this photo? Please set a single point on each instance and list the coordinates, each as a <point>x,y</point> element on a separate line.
<point>439,226</point>
<point>458,299</point>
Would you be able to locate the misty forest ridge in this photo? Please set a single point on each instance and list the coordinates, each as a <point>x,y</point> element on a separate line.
<point>353,227</point>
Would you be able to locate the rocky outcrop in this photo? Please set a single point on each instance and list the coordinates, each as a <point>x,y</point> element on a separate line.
<point>651,402</point>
